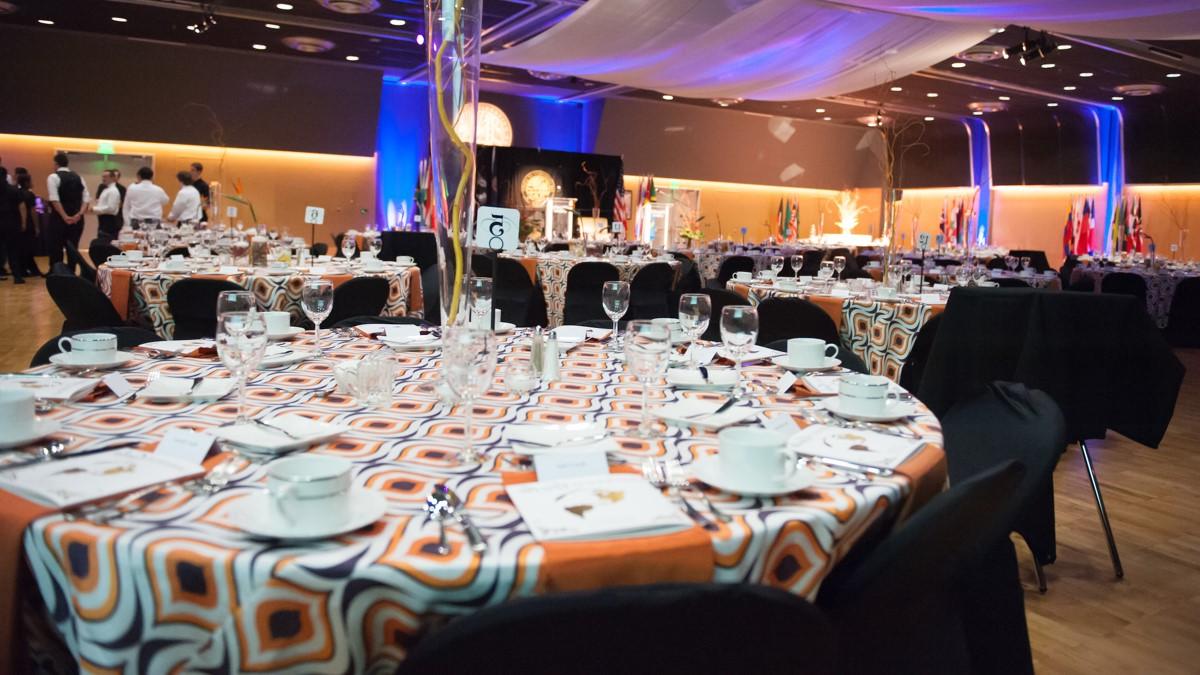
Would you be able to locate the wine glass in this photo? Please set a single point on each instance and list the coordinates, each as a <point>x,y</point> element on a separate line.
<point>739,330</point>
<point>239,247</point>
<point>349,246</point>
<point>839,264</point>
<point>826,271</point>
<point>481,301</point>
<point>615,298</point>
<point>376,245</point>
<point>317,302</point>
<point>234,301</point>
<point>469,360</point>
<point>647,352</point>
<point>241,342</point>
<point>777,264</point>
<point>797,263</point>
<point>1010,262</point>
<point>981,274</point>
<point>695,311</point>
<point>1025,262</point>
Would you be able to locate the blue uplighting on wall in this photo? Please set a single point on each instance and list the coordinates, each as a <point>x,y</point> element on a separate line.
<point>981,175</point>
<point>1110,161</point>
<point>401,142</point>
<point>568,126</point>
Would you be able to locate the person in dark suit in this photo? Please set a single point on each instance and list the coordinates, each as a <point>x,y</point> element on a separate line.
<point>30,221</point>
<point>201,186</point>
<point>10,227</point>
<point>69,200</point>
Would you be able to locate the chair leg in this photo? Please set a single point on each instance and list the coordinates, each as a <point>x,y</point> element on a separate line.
<point>1108,534</point>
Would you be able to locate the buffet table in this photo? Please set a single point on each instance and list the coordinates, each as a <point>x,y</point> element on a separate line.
<point>141,293</point>
<point>552,270</point>
<point>176,586</point>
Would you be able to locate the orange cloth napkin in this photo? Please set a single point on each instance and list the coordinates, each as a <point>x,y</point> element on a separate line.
<point>119,291</point>
<point>16,514</point>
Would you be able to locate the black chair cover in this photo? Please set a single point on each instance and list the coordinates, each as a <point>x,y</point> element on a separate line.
<point>1010,421</point>
<point>82,304</point>
<point>1124,283</point>
<point>650,292</point>
<point>812,263</point>
<point>1068,267</point>
<point>430,291</point>
<point>852,270</point>
<point>361,296</point>
<point>1009,282</point>
<point>1097,355</point>
<point>557,246</point>
<point>74,259</point>
<point>1183,326</point>
<point>1036,258</point>
<point>909,592</point>
<point>996,263</point>
<point>393,320</point>
<point>689,277</point>
<point>633,630</point>
<point>850,360</point>
<point>319,248</point>
<point>585,283</point>
<point>100,250</point>
<point>127,338</point>
<point>421,246</point>
<point>914,365</point>
<point>193,305</point>
<point>179,250</point>
<point>730,265</point>
<point>783,318</point>
<point>519,300</point>
<point>719,299</point>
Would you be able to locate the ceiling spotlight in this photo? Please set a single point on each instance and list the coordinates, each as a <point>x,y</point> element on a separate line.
<point>351,57</point>
<point>820,110</point>
<point>1047,65</point>
<point>120,19</point>
<point>993,31</point>
<point>980,107</point>
<point>420,38</point>
<point>284,6</point>
<point>1173,75</point>
<point>1052,105</point>
<point>668,97</point>
<point>928,119</point>
<point>1004,98</point>
<point>308,45</point>
<point>1085,74</point>
<point>272,26</point>
<point>259,47</point>
<point>1069,88</point>
<point>1032,47</point>
<point>982,53</point>
<point>1064,46</point>
<point>902,88</point>
<point>958,64</point>
<point>46,22</point>
<point>932,94</point>
<point>1118,98</point>
<point>397,22</point>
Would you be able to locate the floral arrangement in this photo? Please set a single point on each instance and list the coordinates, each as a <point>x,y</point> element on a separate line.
<point>691,229</point>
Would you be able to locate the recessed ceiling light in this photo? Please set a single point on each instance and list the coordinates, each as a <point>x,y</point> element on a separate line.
<point>928,119</point>
<point>958,64</point>
<point>284,6</point>
<point>351,58</point>
<point>1173,75</point>
<point>1069,87</point>
<point>1047,65</point>
<point>1118,98</point>
<point>827,119</point>
<point>668,97</point>
<point>820,110</point>
<point>46,22</point>
<point>897,88</point>
<point>871,124</point>
<point>1004,98</point>
<point>932,94</point>
<point>397,22</point>
<point>977,113</point>
<point>272,26</point>
<point>259,47</point>
<point>120,19</point>
<point>1051,105</point>
<point>1085,74</point>
<point>420,38</point>
<point>1064,46</point>
<point>995,30</point>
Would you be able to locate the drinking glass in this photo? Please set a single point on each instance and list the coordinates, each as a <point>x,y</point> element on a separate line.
<point>797,263</point>
<point>349,246</point>
<point>317,302</point>
<point>839,264</point>
<point>234,301</point>
<point>739,330</point>
<point>1010,262</point>
<point>1025,262</point>
<point>481,302</point>
<point>615,298</point>
<point>376,245</point>
<point>777,264</point>
<point>469,362</point>
<point>826,271</point>
<point>647,352</point>
<point>541,244</point>
<point>241,341</point>
<point>239,247</point>
<point>981,274</point>
<point>963,275</point>
<point>695,311</point>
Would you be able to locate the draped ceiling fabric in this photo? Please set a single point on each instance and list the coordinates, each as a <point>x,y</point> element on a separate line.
<point>782,50</point>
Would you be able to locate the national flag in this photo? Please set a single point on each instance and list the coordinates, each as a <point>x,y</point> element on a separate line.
<point>942,221</point>
<point>779,216</point>
<point>786,221</point>
<point>651,191</point>
<point>621,209</point>
<point>1068,238</point>
<point>795,224</point>
<point>1083,241</point>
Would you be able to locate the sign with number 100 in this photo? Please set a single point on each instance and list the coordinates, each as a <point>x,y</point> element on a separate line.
<point>497,229</point>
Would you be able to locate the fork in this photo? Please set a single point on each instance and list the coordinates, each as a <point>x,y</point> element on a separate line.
<point>686,484</point>
<point>656,474</point>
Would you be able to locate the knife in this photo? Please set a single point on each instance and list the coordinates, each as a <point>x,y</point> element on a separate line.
<point>68,455</point>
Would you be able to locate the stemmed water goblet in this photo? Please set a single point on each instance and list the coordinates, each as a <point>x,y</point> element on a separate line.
<point>797,263</point>
<point>376,245</point>
<point>1010,262</point>
<point>316,299</point>
<point>739,329</point>
<point>241,342</point>
<point>1026,261</point>
<point>234,301</point>
<point>349,245</point>
<point>469,360</point>
<point>695,312</point>
<point>647,353</point>
<point>839,265</point>
<point>238,247</point>
<point>777,264</point>
<point>481,301</point>
<point>826,271</point>
<point>615,299</point>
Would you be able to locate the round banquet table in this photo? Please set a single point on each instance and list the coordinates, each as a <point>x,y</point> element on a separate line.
<point>177,585</point>
<point>1160,286</point>
<point>141,293</point>
<point>552,270</point>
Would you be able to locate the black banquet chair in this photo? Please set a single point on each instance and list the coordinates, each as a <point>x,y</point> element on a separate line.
<point>729,266</point>
<point>361,296</point>
<point>431,295</point>
<point>666,628</point>
<point>1183,324</point>
<point>689,275</point>
<point>812,262</point>
<point>1037,259</point>
<point>193,305</point>
<point>1009,282</point>
<point>518,298</point>
<point>1125,283</point>
<point>75,259</point>
<point>918,357</point>
<point>784,318</point>
<point>100,250</point>
<point>81,302</point>
<point>650,292</point>
<point>420,246</point>
<point>585,283</point>
<point>127,338</point>
<point>390,320</point>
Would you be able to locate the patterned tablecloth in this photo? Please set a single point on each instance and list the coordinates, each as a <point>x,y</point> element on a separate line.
<point>882,333</point>
<point>143,293</point>
<point>552,273</point>
<point>177,586</point>
<point>1050,281</point>
<point>709,262</point>
<point>1160,287</point>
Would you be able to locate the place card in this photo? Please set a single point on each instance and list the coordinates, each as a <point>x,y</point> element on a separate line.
<point>840,293</point>
<point>50,388</point>
<point>785,383</point>
<point>118,385</point>
<point>561,465</point>
<point>185,445</point>
<point>228,269</point>
<point>71,481</point>
<point>316,270</point>
<point>595,507</point>
<point>783,424</point>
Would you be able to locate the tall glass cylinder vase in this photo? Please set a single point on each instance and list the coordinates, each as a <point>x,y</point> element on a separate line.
<point>452,29</point>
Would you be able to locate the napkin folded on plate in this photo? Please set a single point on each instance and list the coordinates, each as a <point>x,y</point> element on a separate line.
<point>539,435</point>
<point>189,348</point>
<point>755,354</point>
<point>854,445</point>
<point>702,414</point>
<point>580,333</point>
<point>292,432</point>
<point>718,378</point>
<point>180,388</point>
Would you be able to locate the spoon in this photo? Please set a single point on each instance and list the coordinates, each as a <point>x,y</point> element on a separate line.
<point>453,504</point>
<point>436,508</point>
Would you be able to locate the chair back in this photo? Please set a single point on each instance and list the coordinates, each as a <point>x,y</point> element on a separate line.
<point>431,294</point>
<point>1068,267</point>
<point>1124,283</point>
<point>1037,259</point>
<point>914,365</point>
<point>606,631</point>
<point>1183,324</point>
<point>100,250</point>
<point>179,250</point>
<point>1010,282</point>
<point>390,320</point>
<point>585,283</point>
<point>75,258</point>
<point>519,300</point>
<point>996,263</point>
<point>650,291</point>
<point>360,296</point>
<point>82,304</point>
<point>557,246</point>
<point>732,264</point>
<point>127,338</point>
<point>689,275</point>
<point>420,246</point>
<point>193,305</point>
<point>785,318</point>
<point>319,248</point>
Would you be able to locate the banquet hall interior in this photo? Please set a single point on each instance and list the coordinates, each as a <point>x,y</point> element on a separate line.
<point>578,336</point>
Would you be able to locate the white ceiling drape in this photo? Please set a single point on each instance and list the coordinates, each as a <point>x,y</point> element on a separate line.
<point>778,50</point>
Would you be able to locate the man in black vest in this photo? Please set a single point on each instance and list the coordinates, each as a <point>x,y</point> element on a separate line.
<point>68,198</point>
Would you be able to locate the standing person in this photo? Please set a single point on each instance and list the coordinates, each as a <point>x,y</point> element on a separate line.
<point>30,221</point>
<point>120,187</point>
<point>10,226</point>
<point>202,187</point>
<point>108,206</point>
<point>187,200</point>
<point>144,201</point>
<point>68,199</point>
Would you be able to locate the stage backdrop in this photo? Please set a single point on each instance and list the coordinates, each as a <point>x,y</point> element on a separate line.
<point>523,178</point>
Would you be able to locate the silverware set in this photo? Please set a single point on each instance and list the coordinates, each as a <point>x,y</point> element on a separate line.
<point>444,503</point>
<point>822,417</point>
<point>659,474</point>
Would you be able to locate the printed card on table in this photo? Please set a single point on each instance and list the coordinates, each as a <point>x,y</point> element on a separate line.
<point>595,507</point>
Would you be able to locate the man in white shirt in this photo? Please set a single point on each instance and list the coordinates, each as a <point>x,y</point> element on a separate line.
<point>69,199</point>
<point>187,206</point>
<point>108,207</point>
<point>144,200</point>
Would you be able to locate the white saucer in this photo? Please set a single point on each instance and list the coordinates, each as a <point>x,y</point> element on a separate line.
<point>253,516</point>
<point>278,271</point>
<point>503,327</point>
<point>830,364</point>
<point>291,332</point>
<point>123,265</point>
<point>41,429</point>
<point>117,360</point>
<point>718,379</point>
<point>410,343</point>
<point>895,409</point>
<point>288,358</point>
<point>708,470</point>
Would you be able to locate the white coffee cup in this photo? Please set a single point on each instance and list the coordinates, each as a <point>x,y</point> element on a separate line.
<point>89,347</point>
<point>863,394</point>
<point>310,489</point>
<point>277,322</point>
<point>809,352</point>
<point>133,255</point>
<point>405,260</point>
<point>742,276</point>
<point>885,292</point>
<point>766,274</point>
<point>754,457</point>
<point>16,413</point>
<point>787,284</point>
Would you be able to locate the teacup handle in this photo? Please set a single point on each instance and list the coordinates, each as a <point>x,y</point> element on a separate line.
<point>835,350</point>
<point>279,498</point>
<point>790,462</point>
<point>63,343</point>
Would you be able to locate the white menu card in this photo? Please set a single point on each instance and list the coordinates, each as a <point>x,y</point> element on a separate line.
<point>595,507</point>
